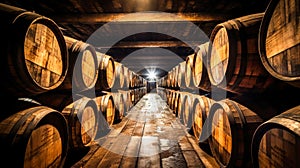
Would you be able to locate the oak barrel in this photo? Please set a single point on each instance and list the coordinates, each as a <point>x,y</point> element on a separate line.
<point>200,108</point>
<point>82,117</point>
<point>34,54</point>
<point>106,72</point>
<point>279,40</point>
<point>169,97</point>
<point>233,126</point>
<point>107,108</point>
<point>126,78</point>
<point>34,137</point>
<point>83,66</point>
<point>174,100</point>
<point>180,108</point>
<point>127,101</point>
<point>199,72</point>
<point>276,142</point>
<point>189,72</point>
<point>233,60</point>
<point>181,75</point>
<point>120,105</point>
<point>119,76</point>
<point>174,82</point>
<point>187,111</point>
<point>132,79</point>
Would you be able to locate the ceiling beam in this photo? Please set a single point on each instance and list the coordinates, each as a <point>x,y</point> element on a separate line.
<point>152,44</point>
<point>139,17</point>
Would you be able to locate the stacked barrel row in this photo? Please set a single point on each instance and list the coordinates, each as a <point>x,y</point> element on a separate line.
<point>254,59</point>
<point>57,93</point>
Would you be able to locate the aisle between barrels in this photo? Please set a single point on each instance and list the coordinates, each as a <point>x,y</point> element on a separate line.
<point>149,136</point>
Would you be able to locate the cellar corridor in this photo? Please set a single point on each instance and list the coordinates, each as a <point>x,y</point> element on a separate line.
<point>150,84</point>
<point>148,136</point>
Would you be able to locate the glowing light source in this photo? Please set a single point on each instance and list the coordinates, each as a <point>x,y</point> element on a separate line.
<point>151,76</point>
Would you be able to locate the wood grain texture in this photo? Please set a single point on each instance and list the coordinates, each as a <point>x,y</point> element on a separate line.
<point>36,136</point>
<point>200,76</point>
<point>234,63</point>
<point>34,53</point>
<point>233,126</point>
<point>106,75</point>
<point>107,107</point>
<point>276,141</point>
<point>279,40</point>
<point>82,117</point>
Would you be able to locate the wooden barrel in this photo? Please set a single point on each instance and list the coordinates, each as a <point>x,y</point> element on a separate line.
<point>200,108</point>
<point>279,40</point>
<point>132,79</point>
<point>137,95</point>
<point>126,78</point>
<point>189,72</point>
<point>180,105</point>
<point>233,126</point>
<point>233,60</point>
<point>82,118</point>
<point>200,75</point>
<point>276,142</point>
<point>127,101</point>
<point>174,72</point>
<point>107,107</point>
<point>119,106</point>
<point>34,137</point>
<point>187,111</point>
<point>34,54</point>
<point>181,75</point>
<point>119,77</point>
<point>169,97</point>
<point>173,103</point>
<point>83,66</point>
<point>106,73</point>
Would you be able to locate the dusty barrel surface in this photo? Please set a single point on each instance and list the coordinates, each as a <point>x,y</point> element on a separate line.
<point>233,126</point>
<point>276,142</point>
<point>83,66</point>
<point>35,137</point>
<point>34,54</point>
<point>82,118</point>
<point>106,72</point>
<point>107,107</point>
<point>233,61</point>
<point>199,72</point>
<point>279,40</point>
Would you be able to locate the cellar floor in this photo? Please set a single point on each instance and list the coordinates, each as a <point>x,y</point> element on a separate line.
<point>148,136</point>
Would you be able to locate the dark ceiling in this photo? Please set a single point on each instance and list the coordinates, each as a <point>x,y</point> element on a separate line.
<point>142,33</point>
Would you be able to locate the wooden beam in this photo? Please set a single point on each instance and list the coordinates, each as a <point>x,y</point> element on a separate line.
<point>152,44</point>
<point>139,17</point>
